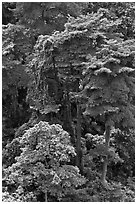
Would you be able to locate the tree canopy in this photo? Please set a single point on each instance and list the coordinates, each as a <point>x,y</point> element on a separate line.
<point>68,72</point>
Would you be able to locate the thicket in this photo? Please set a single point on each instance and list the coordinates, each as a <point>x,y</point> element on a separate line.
<point>68,101</point>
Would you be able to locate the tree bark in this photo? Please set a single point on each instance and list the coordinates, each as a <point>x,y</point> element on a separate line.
<point>105,163</point>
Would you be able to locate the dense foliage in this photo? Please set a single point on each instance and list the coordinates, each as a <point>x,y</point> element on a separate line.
<point>42,165</point>
<point>68,101</point>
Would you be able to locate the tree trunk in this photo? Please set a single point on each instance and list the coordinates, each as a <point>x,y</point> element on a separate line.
<point>46,199</point>
<point>14,101</point>
<point>68,117</point>
<point>104,172</point>
<point>79,161</point>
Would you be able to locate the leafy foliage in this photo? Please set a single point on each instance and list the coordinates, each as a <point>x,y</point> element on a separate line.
<point>46,17</point>
<point>41,165</point>
<point>16,46</point>
<point>122,10</point>
<point>68,101</point>
<point>123,141</point>
<point>114,95</point>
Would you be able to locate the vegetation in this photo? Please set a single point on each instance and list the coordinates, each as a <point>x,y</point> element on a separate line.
<point>68,101</point>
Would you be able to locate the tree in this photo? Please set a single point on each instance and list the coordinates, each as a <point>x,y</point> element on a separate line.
<point>42,165</point>
<point>110,87</point>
